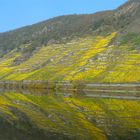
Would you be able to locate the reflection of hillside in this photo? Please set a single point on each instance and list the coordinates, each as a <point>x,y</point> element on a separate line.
<point>71,116</point>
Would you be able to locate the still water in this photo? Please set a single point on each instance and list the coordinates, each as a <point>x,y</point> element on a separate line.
<point>49,115</point>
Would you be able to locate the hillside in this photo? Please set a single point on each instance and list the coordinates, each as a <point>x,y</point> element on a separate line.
<point>100,47</point>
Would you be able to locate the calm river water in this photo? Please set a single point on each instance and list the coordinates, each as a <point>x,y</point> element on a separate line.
<point>49,115</point>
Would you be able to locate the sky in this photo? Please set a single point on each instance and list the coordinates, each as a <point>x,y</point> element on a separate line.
<point>18,13</point>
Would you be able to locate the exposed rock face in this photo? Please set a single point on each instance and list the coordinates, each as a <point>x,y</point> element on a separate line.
<point>130,8</point>
<point>128,16</point>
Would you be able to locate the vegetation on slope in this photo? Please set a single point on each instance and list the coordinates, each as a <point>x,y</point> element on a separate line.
<point>101,47</point>
<point>89,59</point>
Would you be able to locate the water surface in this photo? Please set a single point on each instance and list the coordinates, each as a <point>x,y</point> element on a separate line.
<point>49,115</point>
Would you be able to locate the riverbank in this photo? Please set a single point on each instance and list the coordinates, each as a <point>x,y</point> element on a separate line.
<point>69,85</point>
<point>100,89</point>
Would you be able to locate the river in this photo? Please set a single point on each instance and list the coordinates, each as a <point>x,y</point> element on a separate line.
<point>63,115</point>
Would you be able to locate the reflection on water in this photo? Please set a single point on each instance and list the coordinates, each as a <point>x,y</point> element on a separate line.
<point>42,115</point>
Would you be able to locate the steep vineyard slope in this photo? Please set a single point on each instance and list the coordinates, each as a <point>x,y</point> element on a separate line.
<point>100,47</point>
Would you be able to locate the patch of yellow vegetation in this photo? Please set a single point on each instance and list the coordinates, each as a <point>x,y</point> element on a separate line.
<point>6,63</point>
<point>100,45</point>
<point>8,59</point>
<point>127,71</point>
<point>19,76</point>
<point>87,59</point>
<point>5,71</point>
